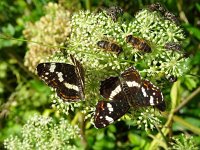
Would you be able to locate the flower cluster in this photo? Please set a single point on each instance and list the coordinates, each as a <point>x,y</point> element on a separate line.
<point>88,28</point>
<point>158,32</point>
<point>43,133</point>
<point>146,119</point>
<point>183,142</point>
<point>47,35</point>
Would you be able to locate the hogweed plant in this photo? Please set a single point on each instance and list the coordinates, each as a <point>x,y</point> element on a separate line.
<point>88,28</point>
<point>44,133</point>
<point>100,62</point>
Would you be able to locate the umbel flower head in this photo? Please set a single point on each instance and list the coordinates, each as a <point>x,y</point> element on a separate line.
<point>50,31</point>
<point>183,142</point>
<point>89,28</point>
<point>43,133</point>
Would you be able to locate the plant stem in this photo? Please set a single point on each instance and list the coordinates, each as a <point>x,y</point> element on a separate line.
<point>79,117</point>
<point>82,132</point>
<point>187,99</point>
<point>164,130</point>
<point>181,12</point>
<point>88,4</point>
<point>192,128</point>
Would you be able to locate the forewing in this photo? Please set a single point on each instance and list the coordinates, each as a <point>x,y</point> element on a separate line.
<point>79,69</point>
<point>110,87</point>
<point>80,75</point>
<point>62,77</point>
<point>131,78</point>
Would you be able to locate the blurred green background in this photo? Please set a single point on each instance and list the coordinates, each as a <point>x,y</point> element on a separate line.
<point>20,89</point>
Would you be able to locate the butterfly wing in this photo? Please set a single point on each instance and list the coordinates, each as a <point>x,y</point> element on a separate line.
<point>110,87</point>
<point>150,95</point>
<point>131,82</point>
<point>62,77</point>
<point>109,111</point>
<point>80,75</point>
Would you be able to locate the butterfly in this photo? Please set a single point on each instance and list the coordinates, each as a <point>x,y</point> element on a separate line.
<point>66,79</point>
<point>124,92</point>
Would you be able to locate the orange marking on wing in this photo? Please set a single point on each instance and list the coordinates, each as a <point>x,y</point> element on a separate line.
<point>68,97</point>
<point>102,106</point>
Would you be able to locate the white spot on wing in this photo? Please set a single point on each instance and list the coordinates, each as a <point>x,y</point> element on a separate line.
<point>151,100</point>
<point>144,92</point>
<point>71,86</point>
<point>132,84</point>
<point>109,119</point>
<point>115,92</point>
<point>110,108</point>
<point>52,67</point>
<point>60,76</point>
<point>162,96</point>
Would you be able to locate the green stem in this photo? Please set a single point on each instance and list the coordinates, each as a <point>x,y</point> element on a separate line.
<point>187,99</point>
<point>75,119</point>
<point>82,127</point>
<point>186,124</point>
<point>181,12</point>
<point>166,128</point>
<point>80,118</point>
<point>88,4</point>
<point>171,117</point>
<point>2,36</point>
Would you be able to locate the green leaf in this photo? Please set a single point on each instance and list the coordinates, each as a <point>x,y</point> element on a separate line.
<point>104,144</point>
<point>194,31</point>
<point>193,121</point>
<point>9,29</point>
<point>190,82</point>
<point>198,6</point>
<point>174,94</point>
<point>135,139</point>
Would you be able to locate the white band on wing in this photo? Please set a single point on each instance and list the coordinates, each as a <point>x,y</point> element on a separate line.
<point>71,86</point>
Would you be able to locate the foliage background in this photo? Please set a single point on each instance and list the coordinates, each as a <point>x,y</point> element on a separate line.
<point>20,89</point>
